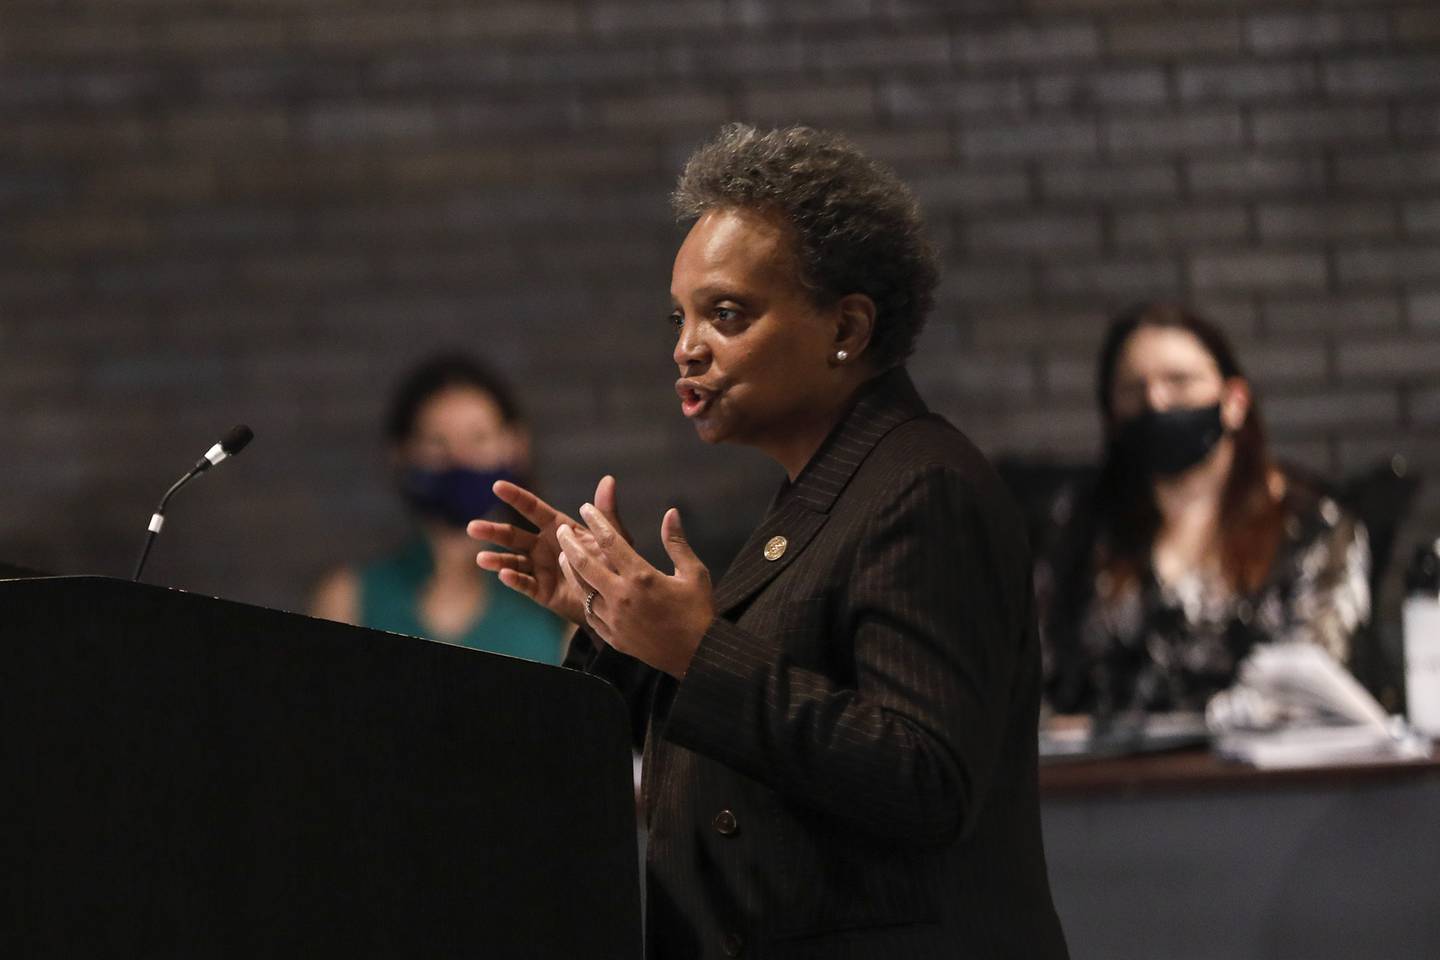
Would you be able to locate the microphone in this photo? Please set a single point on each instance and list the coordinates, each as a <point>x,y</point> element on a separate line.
<point>232,443</point>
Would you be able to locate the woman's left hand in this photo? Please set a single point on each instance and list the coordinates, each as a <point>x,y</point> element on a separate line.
<point>638,610</point>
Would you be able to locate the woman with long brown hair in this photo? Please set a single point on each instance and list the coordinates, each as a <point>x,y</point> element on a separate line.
<point>1193,545</point>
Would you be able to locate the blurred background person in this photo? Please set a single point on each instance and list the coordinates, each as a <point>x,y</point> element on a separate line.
<point>1193,544</point>
<point>454,428</point>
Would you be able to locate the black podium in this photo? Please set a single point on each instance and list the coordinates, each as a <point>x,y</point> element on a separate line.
<point>190,777</point>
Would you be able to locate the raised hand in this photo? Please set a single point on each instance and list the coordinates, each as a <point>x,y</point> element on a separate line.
<point>532,566</point>
<point>636,609</point>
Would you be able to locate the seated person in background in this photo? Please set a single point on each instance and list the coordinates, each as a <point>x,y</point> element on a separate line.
<point>453,429</point>
<point>1193,545</point>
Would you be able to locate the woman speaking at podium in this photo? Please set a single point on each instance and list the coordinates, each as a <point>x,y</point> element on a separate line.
<point>840,732</point>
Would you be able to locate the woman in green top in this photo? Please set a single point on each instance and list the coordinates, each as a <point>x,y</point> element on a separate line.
<point>453,429</point>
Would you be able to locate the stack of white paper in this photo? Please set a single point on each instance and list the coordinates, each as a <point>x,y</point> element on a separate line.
<point>1294,706</point>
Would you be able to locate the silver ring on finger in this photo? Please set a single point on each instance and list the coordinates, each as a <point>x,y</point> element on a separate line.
<point>590,602</point>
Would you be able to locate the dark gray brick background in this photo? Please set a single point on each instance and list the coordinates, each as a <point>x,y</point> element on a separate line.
<point>263,210</point>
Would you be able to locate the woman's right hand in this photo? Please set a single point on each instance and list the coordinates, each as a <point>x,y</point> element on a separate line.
<point>532,565</point>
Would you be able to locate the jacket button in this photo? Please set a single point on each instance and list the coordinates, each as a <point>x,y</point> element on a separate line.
<point>725,824</point>
<point>734,944</point>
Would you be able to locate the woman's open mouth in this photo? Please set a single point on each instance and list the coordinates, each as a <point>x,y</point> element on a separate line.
<point>694,399</point>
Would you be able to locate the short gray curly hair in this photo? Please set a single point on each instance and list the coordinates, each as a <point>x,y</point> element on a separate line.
<point>858,228</point>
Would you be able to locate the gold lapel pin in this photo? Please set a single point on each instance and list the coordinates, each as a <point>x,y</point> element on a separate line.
<point>775,548</point>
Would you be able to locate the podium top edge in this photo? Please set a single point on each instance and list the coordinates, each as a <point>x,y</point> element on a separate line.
<point>186,596</point>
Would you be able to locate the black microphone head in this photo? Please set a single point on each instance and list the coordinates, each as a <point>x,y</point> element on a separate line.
<point>234,441</point>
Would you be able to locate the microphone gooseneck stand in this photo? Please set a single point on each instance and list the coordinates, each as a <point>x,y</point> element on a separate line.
<point>232,443</point>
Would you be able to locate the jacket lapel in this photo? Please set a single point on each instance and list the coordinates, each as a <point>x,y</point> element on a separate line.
<point>801,509</point>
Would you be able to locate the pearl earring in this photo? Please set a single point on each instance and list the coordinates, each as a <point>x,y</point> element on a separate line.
<point>841,356</point>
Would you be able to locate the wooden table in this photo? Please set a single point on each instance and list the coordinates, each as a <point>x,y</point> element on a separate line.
<point>1181,855</point>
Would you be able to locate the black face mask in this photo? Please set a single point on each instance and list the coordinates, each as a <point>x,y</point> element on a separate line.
<point>1164,443</point>
<point>455,496</point>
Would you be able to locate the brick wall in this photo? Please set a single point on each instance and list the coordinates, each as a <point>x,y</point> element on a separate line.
<point>217,211</point>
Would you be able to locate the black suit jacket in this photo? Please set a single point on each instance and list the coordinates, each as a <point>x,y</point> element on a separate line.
<point>849,767</point>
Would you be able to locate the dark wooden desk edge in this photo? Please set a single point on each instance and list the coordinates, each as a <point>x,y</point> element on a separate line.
<point>1199,771</point>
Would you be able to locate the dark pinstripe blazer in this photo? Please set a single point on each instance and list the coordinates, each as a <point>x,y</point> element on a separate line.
<point>849,768</point>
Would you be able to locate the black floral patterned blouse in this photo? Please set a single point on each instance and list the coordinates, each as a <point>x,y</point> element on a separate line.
<point>1150,646</point>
